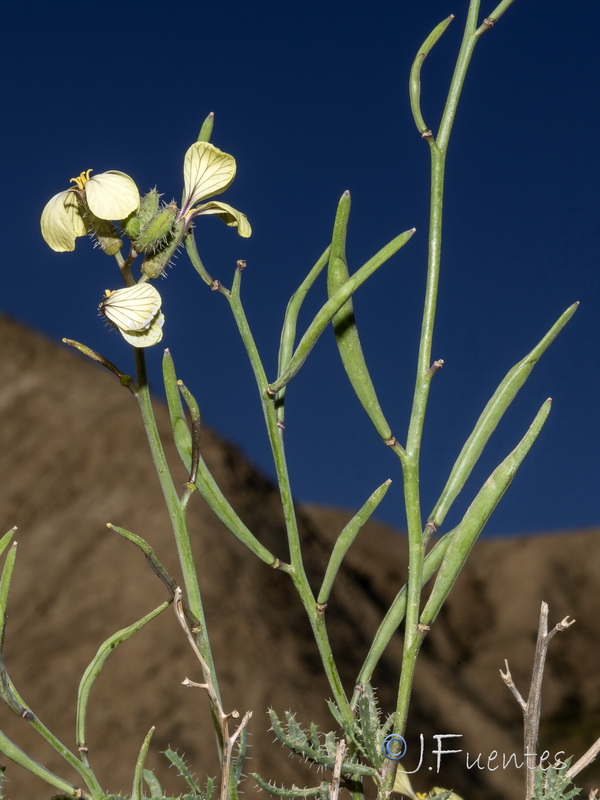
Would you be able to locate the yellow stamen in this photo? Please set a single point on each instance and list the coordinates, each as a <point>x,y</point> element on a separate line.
<point>82,179</point>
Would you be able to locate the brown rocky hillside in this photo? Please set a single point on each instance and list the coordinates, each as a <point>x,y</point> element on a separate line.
<point>73,457</point>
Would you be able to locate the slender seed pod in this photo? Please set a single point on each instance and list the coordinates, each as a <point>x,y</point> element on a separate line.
<point>326,313</point>
<point>415,73</point>
<point>344,325</point>
<point>491,416</point>
<point>476,516</point>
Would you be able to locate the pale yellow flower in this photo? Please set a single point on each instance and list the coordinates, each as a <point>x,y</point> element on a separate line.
<point>206,172</point>
<point>135,312</point>
<point>110,195</point>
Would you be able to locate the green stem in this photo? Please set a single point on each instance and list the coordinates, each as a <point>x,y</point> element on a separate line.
<point>396,613</point>
<point>425,371</point>
<point>196,261</point>
<point>297,571</point>
<point>411,460</point>
<point>20,757</point>
<point>470,37</point>
<point>175,509</point>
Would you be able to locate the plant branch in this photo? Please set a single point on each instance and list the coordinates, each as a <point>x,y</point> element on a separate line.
<point>532,708</point>
<point>228,740</point>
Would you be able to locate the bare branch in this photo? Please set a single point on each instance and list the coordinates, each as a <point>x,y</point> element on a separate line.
<point>532,708</point>
<point>228,740</point>
<point>585,760</point>
<point>337,770</point>
<point>508,680</point>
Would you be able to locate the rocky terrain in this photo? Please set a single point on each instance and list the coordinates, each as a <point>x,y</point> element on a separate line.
<point>73,456</point>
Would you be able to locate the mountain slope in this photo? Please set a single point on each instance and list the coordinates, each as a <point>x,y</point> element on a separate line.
<point>73,456</point>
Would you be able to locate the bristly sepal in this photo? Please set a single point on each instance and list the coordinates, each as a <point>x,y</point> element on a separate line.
<point>155,264</point>
<point>134,223</point>
<point>157,231</point>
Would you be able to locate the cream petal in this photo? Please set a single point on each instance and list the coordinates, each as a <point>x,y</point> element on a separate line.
<point>146,338</point>
<point>133,308</point>
<point>206,172</point>
<point>230,216</point>
<point>61,222</point>
<point>112,195</point>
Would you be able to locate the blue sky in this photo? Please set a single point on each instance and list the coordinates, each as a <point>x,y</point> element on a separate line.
<point>312,99</point>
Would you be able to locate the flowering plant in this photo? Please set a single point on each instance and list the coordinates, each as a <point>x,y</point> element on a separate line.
<point>143,236</point>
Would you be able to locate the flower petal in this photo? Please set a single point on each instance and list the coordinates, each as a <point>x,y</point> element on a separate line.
<point>230,216</point>
<point>133,308</point>
<point>206,171</point>
<point>146,338</point>
<point>61,222</point>
<point>112,195</point>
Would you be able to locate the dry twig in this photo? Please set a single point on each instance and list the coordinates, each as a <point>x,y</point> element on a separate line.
<point>228,740</point>
<point>532,707</point>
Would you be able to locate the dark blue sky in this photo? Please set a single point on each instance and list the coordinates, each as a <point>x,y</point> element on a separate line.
<point>312,99</point>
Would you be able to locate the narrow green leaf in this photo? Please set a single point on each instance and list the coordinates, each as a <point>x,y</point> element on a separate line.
<point>345,539</point>
<point>344,325</point>
<point>491,416</point>
<point>240,759</point>
<point>415,73</point>
<point>152,782</point>
<point>333,305</point>
<point>95,666</point>
<point>209,788</point>
<point>183,769</point>
<point>294,792</point>
<point>477,515</point>
<point>315,736</point>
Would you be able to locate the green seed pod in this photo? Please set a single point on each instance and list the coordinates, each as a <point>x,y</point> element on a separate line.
<point>134,223</point>
<point>155,264</point>
<point>344,325</point>
<point>155,233</point>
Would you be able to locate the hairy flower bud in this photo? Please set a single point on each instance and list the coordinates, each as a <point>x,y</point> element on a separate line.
<point>135,222</point>
<point>155,233</point>
<point>155,264</point>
